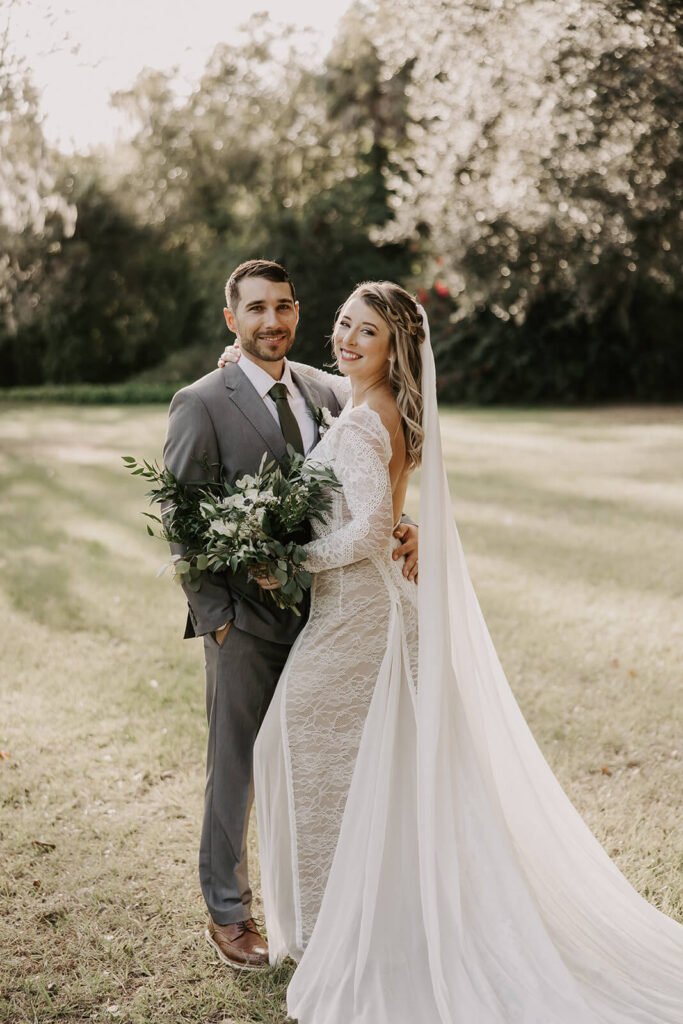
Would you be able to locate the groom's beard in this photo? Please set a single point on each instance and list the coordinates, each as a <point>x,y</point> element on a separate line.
<point>270,351</point>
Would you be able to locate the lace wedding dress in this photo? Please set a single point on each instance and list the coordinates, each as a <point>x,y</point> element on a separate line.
<point>418,857</point>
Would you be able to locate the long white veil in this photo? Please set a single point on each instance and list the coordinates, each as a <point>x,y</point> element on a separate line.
<point>474,747</point>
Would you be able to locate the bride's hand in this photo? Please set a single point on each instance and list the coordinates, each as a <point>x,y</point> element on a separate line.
<point>231,354</point>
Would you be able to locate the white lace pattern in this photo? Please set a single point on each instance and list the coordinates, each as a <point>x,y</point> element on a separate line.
<point>317,717</point>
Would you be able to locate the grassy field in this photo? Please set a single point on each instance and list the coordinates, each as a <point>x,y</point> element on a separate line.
<point>573,524</point>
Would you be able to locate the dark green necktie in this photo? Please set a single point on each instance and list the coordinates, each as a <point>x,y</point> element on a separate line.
<point>288,423</point>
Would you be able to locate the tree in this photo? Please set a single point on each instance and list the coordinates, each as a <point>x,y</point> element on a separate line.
<point>35,216</point>
<point>545,164</point>
<point>121,297</point>
<point>273,155</point>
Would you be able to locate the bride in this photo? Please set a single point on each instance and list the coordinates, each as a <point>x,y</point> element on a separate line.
<point>419,859</point>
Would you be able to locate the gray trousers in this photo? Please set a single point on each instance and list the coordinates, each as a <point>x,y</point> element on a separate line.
<point>241,676</point>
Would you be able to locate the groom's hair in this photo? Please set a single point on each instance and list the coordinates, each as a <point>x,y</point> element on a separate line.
<point>255,268</point>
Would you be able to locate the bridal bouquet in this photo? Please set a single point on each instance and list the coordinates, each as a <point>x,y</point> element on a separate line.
<point>257,524</point>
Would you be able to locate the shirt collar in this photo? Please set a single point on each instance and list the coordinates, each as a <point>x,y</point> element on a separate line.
<point>262,380</point>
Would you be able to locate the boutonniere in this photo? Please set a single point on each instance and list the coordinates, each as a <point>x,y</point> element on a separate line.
<point>323,418</point>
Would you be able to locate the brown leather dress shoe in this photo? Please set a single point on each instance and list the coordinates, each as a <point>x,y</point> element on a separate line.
<point>240,944</point>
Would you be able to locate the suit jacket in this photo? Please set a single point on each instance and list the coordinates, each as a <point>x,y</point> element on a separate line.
<point>222,416</point>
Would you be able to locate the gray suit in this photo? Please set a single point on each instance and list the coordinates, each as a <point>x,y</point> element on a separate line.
<point>223,417</point>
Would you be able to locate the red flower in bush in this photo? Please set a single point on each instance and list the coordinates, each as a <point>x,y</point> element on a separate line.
<point>441,288</point>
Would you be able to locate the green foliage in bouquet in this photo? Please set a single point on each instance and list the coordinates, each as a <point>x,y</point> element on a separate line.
<point>256,524</point>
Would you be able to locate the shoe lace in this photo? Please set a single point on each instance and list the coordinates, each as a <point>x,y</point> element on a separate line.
<point>248,926</point>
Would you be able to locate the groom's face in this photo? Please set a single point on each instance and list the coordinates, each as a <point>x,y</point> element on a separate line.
<point>265,319</point>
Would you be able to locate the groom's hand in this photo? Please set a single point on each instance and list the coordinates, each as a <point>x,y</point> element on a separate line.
<point>220,634</point>
<point>407,549</point>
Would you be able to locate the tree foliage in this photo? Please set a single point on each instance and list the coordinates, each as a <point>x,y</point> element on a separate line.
<point>35,217</point>
<point>122,296</point>
<point>268,158</point>
<point>518,161</point>
<point>545,164</point>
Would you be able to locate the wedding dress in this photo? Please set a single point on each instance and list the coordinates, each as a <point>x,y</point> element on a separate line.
<point>419,859</point>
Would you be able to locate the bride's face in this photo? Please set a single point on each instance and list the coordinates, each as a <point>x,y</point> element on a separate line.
<point>362,341</point>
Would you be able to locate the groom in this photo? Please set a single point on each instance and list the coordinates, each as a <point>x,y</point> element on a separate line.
<point>234,415</point>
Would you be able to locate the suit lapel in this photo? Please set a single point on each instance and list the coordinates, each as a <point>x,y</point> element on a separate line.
<point>251,405</point>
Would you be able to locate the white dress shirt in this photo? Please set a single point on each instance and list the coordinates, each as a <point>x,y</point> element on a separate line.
<point>263,382</point>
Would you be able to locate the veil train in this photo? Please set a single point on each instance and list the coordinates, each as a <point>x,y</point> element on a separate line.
<point>626,957</point>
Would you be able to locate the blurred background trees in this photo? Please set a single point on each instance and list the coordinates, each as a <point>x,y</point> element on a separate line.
<point>546,161</point>
<point>35,216</point>
<point>516,163</point>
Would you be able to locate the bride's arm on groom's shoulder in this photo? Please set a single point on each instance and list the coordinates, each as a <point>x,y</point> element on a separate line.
<point>340,386</point>
<point>190,439</point>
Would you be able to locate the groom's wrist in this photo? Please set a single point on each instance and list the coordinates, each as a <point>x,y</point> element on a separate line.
<point>221,633</point>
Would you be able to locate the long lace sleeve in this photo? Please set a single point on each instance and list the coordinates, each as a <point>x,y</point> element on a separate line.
<point>341,386</point>
<point>361,464</point>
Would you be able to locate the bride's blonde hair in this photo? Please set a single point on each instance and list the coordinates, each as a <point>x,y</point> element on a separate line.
<point>398,309</point>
